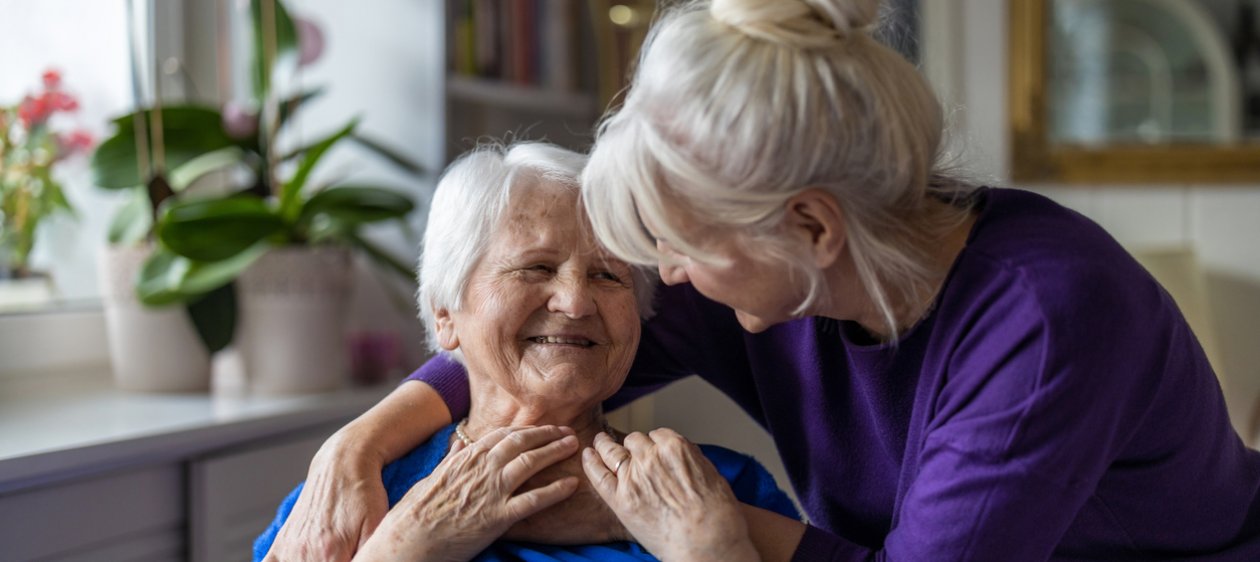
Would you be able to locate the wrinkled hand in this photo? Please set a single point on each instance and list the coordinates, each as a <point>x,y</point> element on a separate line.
<point>669,496</point>
<point>341,504</point>
<point>470,499</point>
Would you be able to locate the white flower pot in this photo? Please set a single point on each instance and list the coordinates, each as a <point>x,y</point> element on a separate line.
<point>291,327</point>
<point>150,349</point>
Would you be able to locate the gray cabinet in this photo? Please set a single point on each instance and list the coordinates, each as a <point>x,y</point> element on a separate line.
<point>207,506</point>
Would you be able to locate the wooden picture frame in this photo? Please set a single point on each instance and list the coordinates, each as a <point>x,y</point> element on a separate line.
<point>1034,159</point>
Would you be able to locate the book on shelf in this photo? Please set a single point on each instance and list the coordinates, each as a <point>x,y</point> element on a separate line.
<point>530,43</point>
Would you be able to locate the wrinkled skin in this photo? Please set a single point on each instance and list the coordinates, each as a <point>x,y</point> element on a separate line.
<point>670,497</point>
<point>472,497</point>
<point>338,510</point>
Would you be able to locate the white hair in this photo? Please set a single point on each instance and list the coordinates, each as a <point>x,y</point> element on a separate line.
<point>468,203</point>
<point>738,105</point>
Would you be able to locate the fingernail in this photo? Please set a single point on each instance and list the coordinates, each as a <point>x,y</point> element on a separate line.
<point>588,452</point>
<point>568,440</point>
<point>568,430</point>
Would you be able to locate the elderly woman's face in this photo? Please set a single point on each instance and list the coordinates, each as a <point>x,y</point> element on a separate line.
<point>546,312</point>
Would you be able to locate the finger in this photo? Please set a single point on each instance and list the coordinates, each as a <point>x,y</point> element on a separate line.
<point>528,503</point>
<point>453,455</point>
<point>612,453</point>
<point>492,439</point>
<point>521,440</point>
<point>602,479</point>
<point>671,442</point>
<point>664,433</point>
<point>530,463</point>
<point>638,444</point>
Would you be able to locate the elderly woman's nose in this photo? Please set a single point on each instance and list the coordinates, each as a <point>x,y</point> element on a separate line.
<point>573,298</point>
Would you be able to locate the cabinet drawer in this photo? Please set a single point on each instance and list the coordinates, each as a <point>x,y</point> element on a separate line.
<point>234,494</point>
<point>128,515</point>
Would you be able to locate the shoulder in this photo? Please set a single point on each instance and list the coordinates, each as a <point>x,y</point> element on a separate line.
<point>1046,314</point>
<point>399,476</point>
<point>1053,263</point>
<point>1026,231</point>
<point>751,482</point>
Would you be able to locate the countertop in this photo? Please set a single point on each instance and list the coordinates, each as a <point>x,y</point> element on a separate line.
<point>66,425</point>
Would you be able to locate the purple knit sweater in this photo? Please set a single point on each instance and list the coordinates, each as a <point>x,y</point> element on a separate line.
<point>1055,405</point>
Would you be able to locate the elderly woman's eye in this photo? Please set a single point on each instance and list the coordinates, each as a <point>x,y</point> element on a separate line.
<point>609,276</point>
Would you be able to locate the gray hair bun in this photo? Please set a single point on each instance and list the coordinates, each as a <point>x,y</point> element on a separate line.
<point>802,24</point>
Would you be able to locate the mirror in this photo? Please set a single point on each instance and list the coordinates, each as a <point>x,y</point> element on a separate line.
<point>1135,91</point>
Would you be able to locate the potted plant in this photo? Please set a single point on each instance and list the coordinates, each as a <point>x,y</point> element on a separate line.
<point>276,249</point>
<point>30,148</point>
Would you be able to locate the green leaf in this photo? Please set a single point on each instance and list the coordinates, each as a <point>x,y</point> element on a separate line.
<point>132,221</point>
<point>388,153</point>
<point>352,206</point>
<point>56,197</point>
<point>169,278</point>
<point>290,106</point>
<point>160,278</point>
<point>289,207</point>
<point>214,317</point>
<point>188,132</point>
<point>193,170</point>
<point>217,229</point>
<point>285,34</point>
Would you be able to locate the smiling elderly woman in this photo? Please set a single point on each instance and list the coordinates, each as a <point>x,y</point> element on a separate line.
<point>513,286</point>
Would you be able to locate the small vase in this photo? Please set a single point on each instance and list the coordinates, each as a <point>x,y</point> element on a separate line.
<point>293,312</point>
<point>150,349</point>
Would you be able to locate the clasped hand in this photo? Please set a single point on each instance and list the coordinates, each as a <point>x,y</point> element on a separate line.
<point>658,487</point>
<point>471,498</point>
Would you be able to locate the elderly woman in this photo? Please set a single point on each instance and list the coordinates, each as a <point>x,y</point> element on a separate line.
<point>514,288</point>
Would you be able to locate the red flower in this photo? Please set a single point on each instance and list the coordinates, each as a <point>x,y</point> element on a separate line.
<point>75,142</point>
<point>33,111</point>
<point>60,101</point>
<point>52,79</point>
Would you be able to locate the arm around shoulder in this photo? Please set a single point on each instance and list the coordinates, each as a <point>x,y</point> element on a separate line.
<point>344,498</point>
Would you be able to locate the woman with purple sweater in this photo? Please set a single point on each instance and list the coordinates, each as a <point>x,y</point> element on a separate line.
<point>949,372</point>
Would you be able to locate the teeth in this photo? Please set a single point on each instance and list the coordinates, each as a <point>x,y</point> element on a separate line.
<point>557,339</point>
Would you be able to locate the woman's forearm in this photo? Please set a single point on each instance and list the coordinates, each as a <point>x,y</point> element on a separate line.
<point>344,498</point>
<point>774,536</point>
<point>411,414</point>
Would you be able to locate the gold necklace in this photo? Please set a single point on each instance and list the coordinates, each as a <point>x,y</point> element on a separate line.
<point>459,431</point>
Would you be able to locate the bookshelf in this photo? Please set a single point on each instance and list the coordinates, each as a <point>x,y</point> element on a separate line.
<point>536,69</point>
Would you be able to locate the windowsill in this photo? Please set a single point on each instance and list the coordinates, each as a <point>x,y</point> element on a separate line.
<point>67,425</point>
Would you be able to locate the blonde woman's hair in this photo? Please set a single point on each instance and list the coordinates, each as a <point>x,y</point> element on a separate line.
<point>738,105</point>
<point>471,197</point>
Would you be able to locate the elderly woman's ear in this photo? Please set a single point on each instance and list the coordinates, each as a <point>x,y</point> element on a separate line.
<point>817,218</point>
<point>446,335</point>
